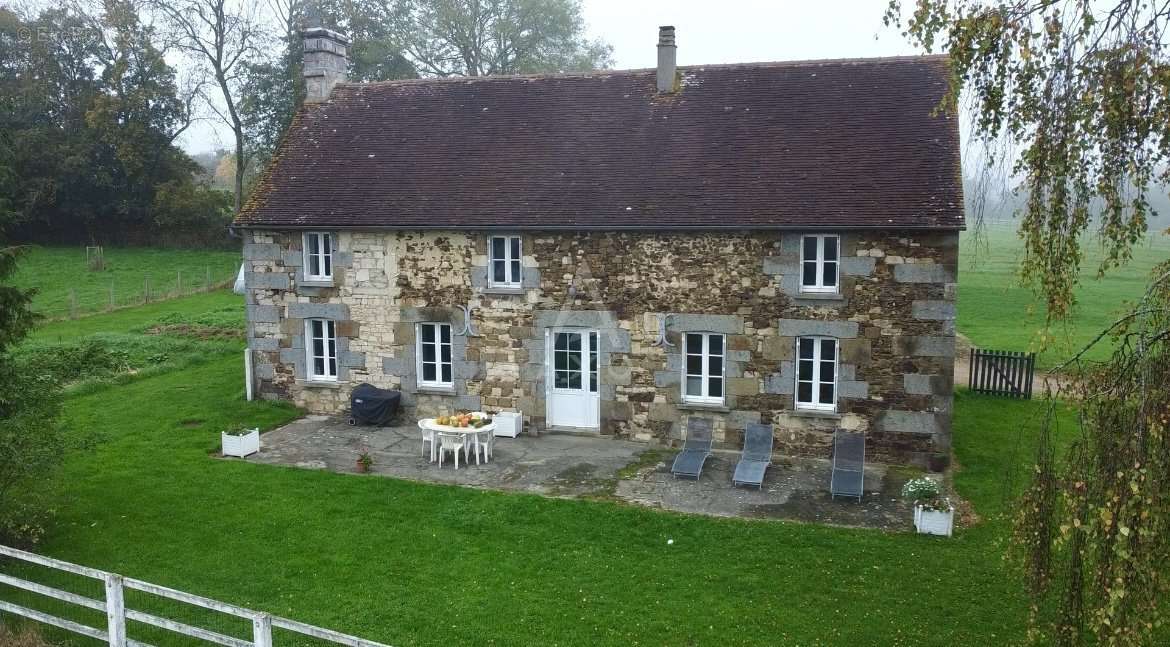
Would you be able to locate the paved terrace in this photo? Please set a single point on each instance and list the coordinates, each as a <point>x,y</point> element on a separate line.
<point>585,466</point>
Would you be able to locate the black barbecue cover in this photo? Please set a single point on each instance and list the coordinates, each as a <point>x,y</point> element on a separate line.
<point>370,405</point>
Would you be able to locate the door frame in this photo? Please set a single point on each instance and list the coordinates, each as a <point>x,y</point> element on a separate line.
<point>589,338</point>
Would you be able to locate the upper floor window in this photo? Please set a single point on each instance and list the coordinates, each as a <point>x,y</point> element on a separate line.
<point>434,355</point>
<point>816,373</point>
<point>819,256</point>
<point>318,247</point>
<point>322,349</point>
<point>703,368</point>
<point>504,261</point>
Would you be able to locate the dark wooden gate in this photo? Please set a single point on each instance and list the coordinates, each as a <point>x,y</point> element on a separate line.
<point>1002,372</point>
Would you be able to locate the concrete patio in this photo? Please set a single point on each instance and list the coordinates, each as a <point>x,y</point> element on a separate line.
<point>577,466</point>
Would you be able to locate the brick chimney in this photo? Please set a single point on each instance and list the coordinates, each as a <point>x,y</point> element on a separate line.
<point>667,59</point>
<point>324,64</point>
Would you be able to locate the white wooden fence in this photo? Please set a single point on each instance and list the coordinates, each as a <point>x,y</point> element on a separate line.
<point>117,614</point>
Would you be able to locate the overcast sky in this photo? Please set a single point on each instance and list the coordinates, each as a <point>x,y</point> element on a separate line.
<point>713,31</point>
<point>741,31</point>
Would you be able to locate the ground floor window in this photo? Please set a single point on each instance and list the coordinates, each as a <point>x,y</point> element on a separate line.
<point>703,368</point>
<point>434,355</point>
<point>322,349</point>
<point>816,373</point>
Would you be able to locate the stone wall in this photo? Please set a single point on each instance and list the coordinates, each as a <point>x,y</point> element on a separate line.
<point>894,319</point>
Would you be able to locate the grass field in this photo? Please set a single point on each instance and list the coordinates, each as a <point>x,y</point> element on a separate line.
<point>417,564</point>
<point>134,319</point>
<point>996,312</point>
<point>131,343</point>
<point>60,274</point>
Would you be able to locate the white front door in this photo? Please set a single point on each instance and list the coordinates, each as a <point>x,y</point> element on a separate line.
<point>571,395</point>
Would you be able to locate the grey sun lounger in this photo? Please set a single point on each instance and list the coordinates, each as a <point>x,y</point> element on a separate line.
<point>696,449</point>
<point>757,456</point>
<point>848,477</point>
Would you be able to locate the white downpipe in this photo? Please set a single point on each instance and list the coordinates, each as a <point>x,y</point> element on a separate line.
<point>248,377</point>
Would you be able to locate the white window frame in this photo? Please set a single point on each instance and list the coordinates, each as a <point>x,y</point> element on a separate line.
<point>438,343</point>
<point>817,378</point>
<point>324,256</point>
<point>820,262</point>
<point>328,354</point>
<point>589,354</point>
<point>705,375</point>
<point>513,262</point>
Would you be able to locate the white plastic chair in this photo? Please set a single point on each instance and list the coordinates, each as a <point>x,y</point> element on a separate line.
<point>485,442</point>
<point>453,443</point>
<point>428,436</point>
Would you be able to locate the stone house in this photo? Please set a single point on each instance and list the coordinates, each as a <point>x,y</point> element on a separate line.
<point>613,252</point>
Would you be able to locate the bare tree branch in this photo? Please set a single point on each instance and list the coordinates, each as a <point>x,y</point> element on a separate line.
<point>219,37</point>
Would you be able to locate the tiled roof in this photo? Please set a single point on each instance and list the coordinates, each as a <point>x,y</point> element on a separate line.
<point>826,144</point>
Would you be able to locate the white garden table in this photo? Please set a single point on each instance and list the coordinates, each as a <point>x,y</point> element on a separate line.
<point>474,432</point>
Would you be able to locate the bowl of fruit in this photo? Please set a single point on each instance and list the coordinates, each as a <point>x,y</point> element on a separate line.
<point>464,420</point>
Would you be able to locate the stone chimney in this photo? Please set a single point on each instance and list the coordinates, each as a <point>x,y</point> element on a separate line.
<point>667,59</point>
<point>325,61</point>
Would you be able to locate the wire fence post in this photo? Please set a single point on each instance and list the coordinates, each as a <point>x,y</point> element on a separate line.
<point>146,288</point>
<point>262,630</point>
<point>115,611</point>
<point>179,283</point>
<point>112,302</point>
<point>72,303</point>
<point>207,283</point>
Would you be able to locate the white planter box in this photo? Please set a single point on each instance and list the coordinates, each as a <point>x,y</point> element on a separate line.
<point>508,424</point>
<point>934,522</point>
<point>241,446</point>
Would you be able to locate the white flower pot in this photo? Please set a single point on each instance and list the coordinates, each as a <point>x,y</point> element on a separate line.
<point>934,522</point>
<point>241,446</point>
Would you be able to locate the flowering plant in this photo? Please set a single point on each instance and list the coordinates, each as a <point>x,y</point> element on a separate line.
<point>926,493</point>
<point>238,429</point>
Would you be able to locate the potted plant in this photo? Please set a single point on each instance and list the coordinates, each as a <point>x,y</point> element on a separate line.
<point>240,441</point>
<point>933,512</point>
<point>364,461</point>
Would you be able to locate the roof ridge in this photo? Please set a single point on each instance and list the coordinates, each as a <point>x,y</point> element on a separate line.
<point>813,62</point>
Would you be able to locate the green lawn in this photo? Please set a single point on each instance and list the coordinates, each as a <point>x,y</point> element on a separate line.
<point>94,352</point>
<point>133,319</point>
<point>995,312</point>
<point>59,272</point>
<point>410,563</point>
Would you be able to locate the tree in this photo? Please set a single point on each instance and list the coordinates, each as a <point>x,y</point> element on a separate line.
<point>188,207</point>
<point>272,90</point>
<point>45,86</point>
<point>89,115</point>
<point>16,318</point>
<point>30,442</point>
<point>1084,89</point>
<point>140,113</point>
<point>376,31</point>
<point>481,37</point>
<point>219,36</point>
